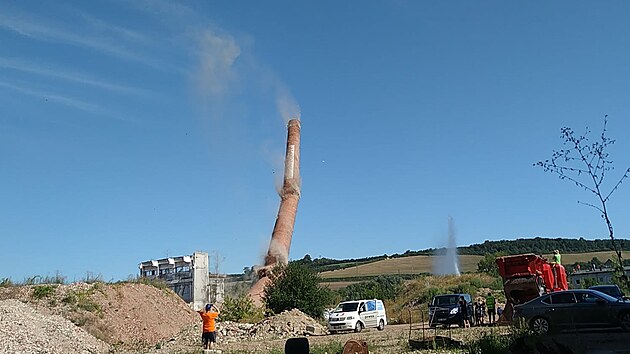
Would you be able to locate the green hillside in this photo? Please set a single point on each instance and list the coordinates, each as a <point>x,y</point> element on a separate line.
<point>417,264</point>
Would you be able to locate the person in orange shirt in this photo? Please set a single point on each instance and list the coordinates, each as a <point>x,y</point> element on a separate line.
<point>209,334</point>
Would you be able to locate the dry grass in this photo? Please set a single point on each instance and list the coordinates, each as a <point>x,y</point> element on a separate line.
<point>571,258</point>
<point>404,265</point>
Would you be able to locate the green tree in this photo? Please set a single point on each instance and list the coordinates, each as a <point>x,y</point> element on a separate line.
<point>488,264</point>
<point>240,308</point>
<point>382,287</point>
<point>296,287</point>
<point>585,164</point>
<point>588,282</point>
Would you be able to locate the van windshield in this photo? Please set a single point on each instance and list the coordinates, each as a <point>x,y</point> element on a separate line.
<point>445,300</point>
<point>347,307</point>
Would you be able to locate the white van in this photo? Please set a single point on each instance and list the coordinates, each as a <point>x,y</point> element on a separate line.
<point>356,315</point>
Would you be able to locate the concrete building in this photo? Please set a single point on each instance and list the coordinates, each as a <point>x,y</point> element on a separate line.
<point>188,277</point>
<point>601,276</point>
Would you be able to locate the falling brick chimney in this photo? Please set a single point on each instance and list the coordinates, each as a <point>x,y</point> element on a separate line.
<point>278,252</point>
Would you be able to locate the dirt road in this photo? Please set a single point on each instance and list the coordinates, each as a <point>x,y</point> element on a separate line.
<point>392,340</point>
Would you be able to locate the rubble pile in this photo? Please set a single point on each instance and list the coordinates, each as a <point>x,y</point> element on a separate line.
<point>230,332</point>
<point>287,324</point>
<point>24,330</point>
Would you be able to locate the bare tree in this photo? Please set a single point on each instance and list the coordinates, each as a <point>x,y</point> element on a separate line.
<point>586,163</point>
<point>216,260</point>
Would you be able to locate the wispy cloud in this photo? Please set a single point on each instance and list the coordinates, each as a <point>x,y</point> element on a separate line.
<point>121,32</point>
<point>59,99</point>
<point>36,29</point>
<point>167,10</point>
<point>67,101</point>
<point>20,65</point>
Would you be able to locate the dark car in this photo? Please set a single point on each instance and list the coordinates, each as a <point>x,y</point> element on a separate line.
<point>444,310</point>
<point>610,289</point>
<point>573,310</point>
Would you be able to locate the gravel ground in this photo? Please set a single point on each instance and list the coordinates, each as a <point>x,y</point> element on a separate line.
<point>24,330</point>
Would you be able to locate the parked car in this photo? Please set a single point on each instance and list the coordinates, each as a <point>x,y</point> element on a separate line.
<point>573,310</point>
<point>357,315</point>
<point>444,310</point>
<point>610,289</point>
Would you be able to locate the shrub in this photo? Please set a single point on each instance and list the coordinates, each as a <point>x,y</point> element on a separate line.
<point>498,343</point>
<point>326,348</point>
<point>70,298</point>
<point>491,343</point>
<point>463,288</point>
<point>5,283</point>
<point>381,287</point>
<point>93,278</point>
<point>58,278</point>
<point>240,309</point>
<point>295,286</point>
<point>42,291</point>
<point>32,280</point>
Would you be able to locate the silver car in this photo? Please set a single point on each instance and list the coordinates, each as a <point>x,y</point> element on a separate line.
<point>573,310</point>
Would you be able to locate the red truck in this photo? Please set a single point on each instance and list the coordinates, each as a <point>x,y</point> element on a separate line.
<point>527,276</point>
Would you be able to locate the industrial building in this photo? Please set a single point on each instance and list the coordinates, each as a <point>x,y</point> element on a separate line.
<point>188,277</point>
<point>597,276</point>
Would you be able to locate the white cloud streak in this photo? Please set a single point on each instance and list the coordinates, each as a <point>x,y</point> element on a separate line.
<point>59,99</point>
<point>122,32</point>
<point>35,29</point>
<point>20,65</point>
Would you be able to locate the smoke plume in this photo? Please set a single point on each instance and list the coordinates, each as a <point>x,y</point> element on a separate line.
<point>447,262</point>
<point>286,103</point>
<point>217,58</point>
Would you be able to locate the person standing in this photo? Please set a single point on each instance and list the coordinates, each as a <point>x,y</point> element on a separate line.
<point>463,310</point>
<point>490,305</point>
<point>557,258</point>
<point>479,312</point>
<point>209,334</point>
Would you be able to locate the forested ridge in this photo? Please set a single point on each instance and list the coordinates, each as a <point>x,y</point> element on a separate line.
<point>537,245</point>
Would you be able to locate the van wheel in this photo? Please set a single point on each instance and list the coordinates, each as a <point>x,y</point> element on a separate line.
<point>381,325</point>
<point>359,327</point>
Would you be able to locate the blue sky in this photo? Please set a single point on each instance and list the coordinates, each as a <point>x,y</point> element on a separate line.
<point>138,130</point>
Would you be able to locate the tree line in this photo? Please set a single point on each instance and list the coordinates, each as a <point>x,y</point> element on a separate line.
<point>537,245</point>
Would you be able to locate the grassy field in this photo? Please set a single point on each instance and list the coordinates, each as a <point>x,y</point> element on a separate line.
<point>404,265</point>
<point>568,259</point>
<point>424,264</point>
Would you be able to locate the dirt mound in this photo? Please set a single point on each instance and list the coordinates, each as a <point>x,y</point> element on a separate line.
<point>24,330</point>
<point>142,314</point>
<point>125,314</point>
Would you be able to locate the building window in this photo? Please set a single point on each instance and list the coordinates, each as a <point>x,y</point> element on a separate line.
<point>182,269</point>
